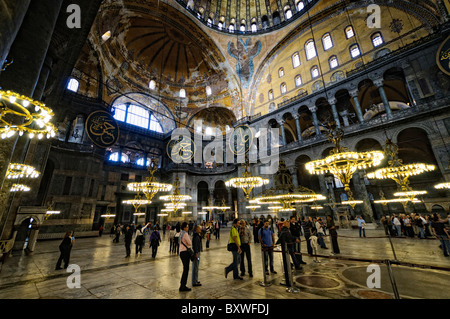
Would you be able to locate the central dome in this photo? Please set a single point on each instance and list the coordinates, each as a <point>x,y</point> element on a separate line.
<point>247,16</point>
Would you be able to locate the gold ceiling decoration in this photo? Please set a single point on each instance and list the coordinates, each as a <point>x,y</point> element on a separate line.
<point>20,114</point>
<point>342,163</point>
<point>150,187</point>
<point>400,172</point>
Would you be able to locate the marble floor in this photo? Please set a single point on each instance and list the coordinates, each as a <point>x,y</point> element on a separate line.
<point>106,274</point>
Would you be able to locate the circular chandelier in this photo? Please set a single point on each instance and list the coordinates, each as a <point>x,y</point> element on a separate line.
<point>442,186</point>
<point>400,172</point>
<point>247,182</point>
<point>137,202</point>
<point>342,163</point>
<point>17,171</point>
<point>19,188</point>
<point>284,193</point>
<point>150,187</point>
<point>176,201</point>
<point>20,114</point>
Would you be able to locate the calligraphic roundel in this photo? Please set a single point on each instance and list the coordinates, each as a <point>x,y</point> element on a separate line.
<point>102,129</point>
<point>443,56</point>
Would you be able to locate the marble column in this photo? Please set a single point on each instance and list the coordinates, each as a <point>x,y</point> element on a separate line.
<point>297,124</point>
<point>333,102</point>
<point>354,95</point>
<point>283,134</point>
<point>344,116</point>
<point>315,119</point>
<point>30,47</point>
<point>379,84</point>
<point>12,13</point>
<point>43,77</point>
<point>362,194</point>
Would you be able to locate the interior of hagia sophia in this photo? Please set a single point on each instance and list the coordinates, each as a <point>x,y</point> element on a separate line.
<point>308,73</point>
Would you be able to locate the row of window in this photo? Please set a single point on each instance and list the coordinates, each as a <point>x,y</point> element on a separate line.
<point>327,43</point>
<point>300,5</point>
<point>333,62</point>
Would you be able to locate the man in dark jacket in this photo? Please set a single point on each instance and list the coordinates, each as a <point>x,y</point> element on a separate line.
<point>296,230</point>
<point>307,226</point>
<point>287,240</point>
<point>128,238</point>
<point>197,247</point>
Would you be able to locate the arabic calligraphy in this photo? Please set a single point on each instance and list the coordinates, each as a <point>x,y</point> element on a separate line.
<point>181,150</point>
<point>241,140</point>
<point>102,129</point>
<point>443,57</point>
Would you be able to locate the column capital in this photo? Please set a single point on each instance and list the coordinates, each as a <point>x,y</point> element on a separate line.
<point>353,93</point>
<point>312,108</point>
<point>332,101</point>
<point>281,121</point>
<point>378,82</point>
<point>296,116</point>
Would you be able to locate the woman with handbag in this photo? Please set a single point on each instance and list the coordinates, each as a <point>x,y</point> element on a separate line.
<point>185,256</point>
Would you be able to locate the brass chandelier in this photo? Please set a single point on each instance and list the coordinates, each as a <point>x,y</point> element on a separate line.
<point>176,201</point>
<point>342,163</point>
<point>247,182</point>
<point>284,194</point>
<point>401,173</point>
<point>150,187</point>
<point>20,114</point>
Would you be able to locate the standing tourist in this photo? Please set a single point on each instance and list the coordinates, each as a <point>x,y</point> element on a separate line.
<point>307,226</point>
<point>267,238</point>
<point>139,239</point>
<point>197,247</point>
<point>296,230</point>
<point>333,235</point>
<point>442,233</point>
<point>65,248</point>
<point>185,243</point>
<point>235,239</point>
<point>128,233</point>
<point>155,239</point>
<point>361,226</point>
<point>245,237</point>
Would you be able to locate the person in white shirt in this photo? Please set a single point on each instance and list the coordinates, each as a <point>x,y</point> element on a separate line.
<point>320,234</point>
<point>398,225</point>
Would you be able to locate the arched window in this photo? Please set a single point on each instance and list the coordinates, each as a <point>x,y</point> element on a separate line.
<point>300,5</point>
<point>209,22</point>
<point>140,161</point>
<point>254,27</point>
<point>315,72</point>
<point>333,61</point>
<point>208,90</point>
<point>152,85</point>
<point>182,93</point>
<point>349,33</point>
<point>310,49</point>
<point>242,28</point>
<point>270,95</point>
<point>220,25</point>
<point>377,39</point>
<point>327,41</point>
<point>287,12</point>
<point>298,81</point>
<point>355,51</point>
<point>295,60</point>
<point>73,85</point>
<point>231,28</point>
<point>283,88</point>
<point>280,72</point>
<point>138,116</point>
<point>114,157</point>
